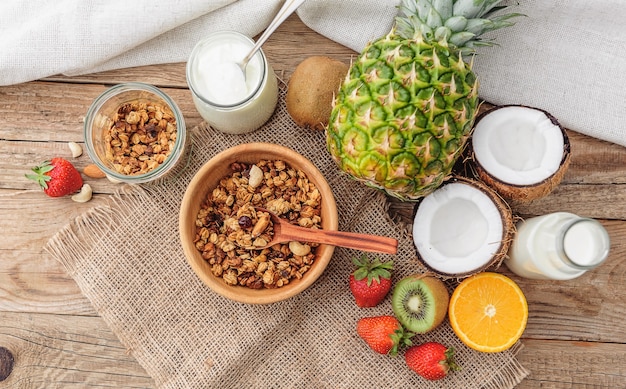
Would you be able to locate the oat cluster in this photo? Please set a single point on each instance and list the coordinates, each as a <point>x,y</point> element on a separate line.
<point>140,138</point>
<point>229,230</point>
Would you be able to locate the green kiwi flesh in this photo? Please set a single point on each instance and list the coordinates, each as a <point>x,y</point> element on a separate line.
<point>420,302</point>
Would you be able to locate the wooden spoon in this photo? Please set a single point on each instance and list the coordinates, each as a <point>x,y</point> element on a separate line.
<point>284,232</point>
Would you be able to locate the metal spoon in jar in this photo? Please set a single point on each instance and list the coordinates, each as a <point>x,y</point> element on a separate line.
<point>284,232</point>
<point>287,9</point>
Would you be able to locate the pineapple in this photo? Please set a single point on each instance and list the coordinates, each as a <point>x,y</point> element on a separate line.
<point>406,108</point>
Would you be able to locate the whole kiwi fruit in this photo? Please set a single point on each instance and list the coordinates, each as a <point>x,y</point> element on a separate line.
<point>420,302</point>
<point>311,90</point>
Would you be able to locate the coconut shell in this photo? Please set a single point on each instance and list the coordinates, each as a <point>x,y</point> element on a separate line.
<point>508,231</point>
<point>311,90</point>
<point>522,193</point>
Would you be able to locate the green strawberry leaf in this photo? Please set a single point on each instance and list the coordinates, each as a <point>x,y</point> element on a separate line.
<point>372,270</point>
<point>40,175</point>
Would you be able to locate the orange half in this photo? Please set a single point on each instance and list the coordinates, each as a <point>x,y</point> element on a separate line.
<point>488,312</point>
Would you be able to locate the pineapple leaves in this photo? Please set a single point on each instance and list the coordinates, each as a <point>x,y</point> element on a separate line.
<point>433,19</point>
<point>444,8</point>
<point>459,39</point>
<point>478,26</point>
<point>454,23</point>
<point>474,8</point>
<point>494,10</point>
<point>502,20</point>
<point>442,34</point>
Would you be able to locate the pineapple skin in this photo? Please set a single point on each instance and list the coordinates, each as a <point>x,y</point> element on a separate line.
<point>403,115</point>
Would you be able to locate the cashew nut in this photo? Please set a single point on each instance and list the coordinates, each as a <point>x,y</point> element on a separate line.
<point>76,150</point>
<point>259,242</point>
<point>256,176</point>
<point>298,248</point>
<point>84,195</point>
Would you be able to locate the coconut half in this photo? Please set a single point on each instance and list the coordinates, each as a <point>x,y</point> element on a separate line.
<point>462,228</point>
<point>521,152</point>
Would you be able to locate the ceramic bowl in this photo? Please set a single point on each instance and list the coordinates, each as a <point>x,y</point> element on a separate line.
<point>203,183</point>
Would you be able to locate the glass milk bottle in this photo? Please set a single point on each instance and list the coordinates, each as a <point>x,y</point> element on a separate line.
<point>558,246</point>
<point>227,99</point>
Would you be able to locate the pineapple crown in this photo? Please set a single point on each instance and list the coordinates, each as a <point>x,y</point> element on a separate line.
<point>455,23</point>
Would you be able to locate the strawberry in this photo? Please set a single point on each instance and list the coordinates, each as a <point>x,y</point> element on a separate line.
<point>370,282</point>
<point>58,177</point>
<point>384,334</point>
<point>431,360</point>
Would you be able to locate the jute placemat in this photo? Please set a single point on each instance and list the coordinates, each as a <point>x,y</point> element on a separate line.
<point>127,259</point>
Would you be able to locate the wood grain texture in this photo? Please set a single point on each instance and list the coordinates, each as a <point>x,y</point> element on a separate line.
<point>67,351</point>
<point>576,337</point>
<point>566,365</point>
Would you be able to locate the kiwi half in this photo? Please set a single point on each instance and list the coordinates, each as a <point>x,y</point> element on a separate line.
<point>420,302</point>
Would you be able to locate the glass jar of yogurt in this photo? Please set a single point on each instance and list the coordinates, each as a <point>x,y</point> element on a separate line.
<point>558,246</point>
<point>227,99</point>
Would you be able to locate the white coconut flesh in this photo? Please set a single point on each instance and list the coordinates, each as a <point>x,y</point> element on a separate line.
<point>518,145</point>
<point>457,229</point>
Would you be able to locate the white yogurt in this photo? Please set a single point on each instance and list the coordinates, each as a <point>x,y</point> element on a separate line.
<point>224,97</point>
<point>558,246</point>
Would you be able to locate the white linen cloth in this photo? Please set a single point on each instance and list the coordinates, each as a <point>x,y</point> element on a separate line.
<point>566,56</point>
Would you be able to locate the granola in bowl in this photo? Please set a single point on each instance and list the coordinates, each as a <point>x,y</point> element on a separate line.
<point>229,228</point>
<point>218,239</point>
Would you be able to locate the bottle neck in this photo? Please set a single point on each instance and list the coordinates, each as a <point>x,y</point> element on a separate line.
<point>583,244</point>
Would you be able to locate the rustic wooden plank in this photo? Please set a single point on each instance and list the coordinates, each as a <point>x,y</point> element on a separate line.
<point>30,280</point>
<point>600,201</point>
<point>170,75</point>
<point>27,261</point>
<point>578,365</point>
<point>42,293</point>
<point>29,218</point>
<point>59,351</point>
<point>293,42</point>
<point>54,112</point>
<point>595,161</point>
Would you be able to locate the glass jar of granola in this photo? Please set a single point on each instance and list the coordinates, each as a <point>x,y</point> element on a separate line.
<point>135,133</point>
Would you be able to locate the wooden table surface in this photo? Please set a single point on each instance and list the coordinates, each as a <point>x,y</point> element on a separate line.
<point>575,338</point>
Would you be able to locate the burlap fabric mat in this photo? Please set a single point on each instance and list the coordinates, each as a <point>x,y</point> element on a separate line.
<point>127,260</point>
